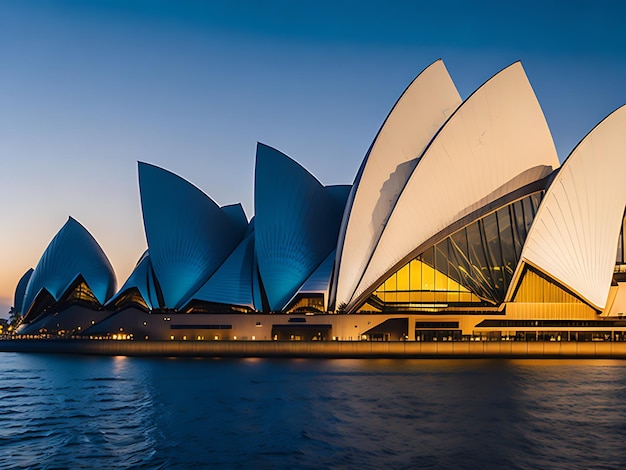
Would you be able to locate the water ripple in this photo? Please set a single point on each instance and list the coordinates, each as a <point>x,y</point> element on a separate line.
<point>85,412</point>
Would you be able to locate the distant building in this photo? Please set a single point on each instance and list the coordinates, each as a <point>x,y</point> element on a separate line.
<point>460,225</point>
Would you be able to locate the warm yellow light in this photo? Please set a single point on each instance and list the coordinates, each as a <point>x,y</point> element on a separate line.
<point>185,337</point>
<point>234,337</point>
<point>172,337</point>
<point>253,338</point>
<point>114,336</point>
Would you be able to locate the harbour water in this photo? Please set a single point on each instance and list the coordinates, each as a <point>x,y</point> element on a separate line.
<point>61,411</point>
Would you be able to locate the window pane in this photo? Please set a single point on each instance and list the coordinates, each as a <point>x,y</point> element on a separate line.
<point>416,275</point>
<point>620,251</point>
<point>509,257</point>
<point>519,227</point>
<point>428,273</point>
<point>460,256</point>
<point>529,213</point>
<point>441,266</point>
<point>390,284</point>
<point>480,268</point>
<point>403,278</point>
<point>536,200</point>
<point>494,255</point>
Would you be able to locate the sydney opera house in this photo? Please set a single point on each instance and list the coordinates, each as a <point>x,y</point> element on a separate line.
<point>459,225</point>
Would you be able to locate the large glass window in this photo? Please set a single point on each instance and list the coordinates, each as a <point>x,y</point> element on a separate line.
<point>472,266</point>
<point>519,226</point>
<point>621,251</point>
<point>509,256</point>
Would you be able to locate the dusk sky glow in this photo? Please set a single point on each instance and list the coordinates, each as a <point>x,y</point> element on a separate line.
<point>88,88</point>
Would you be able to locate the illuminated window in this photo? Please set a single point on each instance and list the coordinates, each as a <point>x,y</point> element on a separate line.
<point>472,266</point>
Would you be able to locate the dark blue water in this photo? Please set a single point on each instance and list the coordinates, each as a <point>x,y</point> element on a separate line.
<point>86,412</point>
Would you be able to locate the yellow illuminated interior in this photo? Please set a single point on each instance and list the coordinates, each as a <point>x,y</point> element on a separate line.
<point>417,282</point>
<point>538,288</point>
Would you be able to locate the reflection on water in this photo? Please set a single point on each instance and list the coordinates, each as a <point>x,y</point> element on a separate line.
<point>63,411</point>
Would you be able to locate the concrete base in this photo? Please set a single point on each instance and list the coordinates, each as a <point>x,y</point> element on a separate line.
<point>323,349</point>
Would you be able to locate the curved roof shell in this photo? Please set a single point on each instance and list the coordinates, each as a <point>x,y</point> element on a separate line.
<point>497,134</point>
<point>232,282</point>
<point>411,124</point>
<point>189,236</point>
<point>296,224</point>
<point>72,252</point>
<point>237,215</point>
<point>319,280</point>
<point>141,279</point>
<point>20,290</point>
<point>575,233</point>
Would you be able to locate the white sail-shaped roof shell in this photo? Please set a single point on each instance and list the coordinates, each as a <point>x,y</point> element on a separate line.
<point>495,135</point>
<point>72,252</point>
<point>189,236</point>
<point>141,279</point>
<point>318,281</point>
<point>232,282</point>
<point>20,290</point>
<point>575,233</point>
<point>419,113</point>
<point>296,223</point>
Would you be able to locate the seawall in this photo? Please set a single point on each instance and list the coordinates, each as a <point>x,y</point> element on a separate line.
<point>323,349</point>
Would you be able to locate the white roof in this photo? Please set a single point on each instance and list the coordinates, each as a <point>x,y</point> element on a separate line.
<point>421,110</point>
<point>575,233</point>
<point>495,135</point>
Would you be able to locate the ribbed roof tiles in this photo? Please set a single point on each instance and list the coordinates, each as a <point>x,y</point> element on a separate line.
<point>296,224</point>
<point>189,236</point>
<point>498,133</point>
<point>20,290</point>
<point>574,235</point>
<point>232,282</point>
<point>141,279</point>
<point>411,124</point>
<point>72,252</point>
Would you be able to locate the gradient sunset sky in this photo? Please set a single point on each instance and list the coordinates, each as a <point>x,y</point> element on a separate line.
<point>88,88</point>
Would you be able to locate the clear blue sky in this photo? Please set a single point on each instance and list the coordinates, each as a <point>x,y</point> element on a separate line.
<point>87,88</point>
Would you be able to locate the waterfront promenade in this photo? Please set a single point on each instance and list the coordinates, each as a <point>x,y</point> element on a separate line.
<point>323,349</point>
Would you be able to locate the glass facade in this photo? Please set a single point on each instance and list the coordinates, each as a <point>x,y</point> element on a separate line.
<point>307,303</point>
<point>473,266</point>
<point>81,293</point>
<point>131,297</point>
<point>536,287</point>
<point>621,251</point>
